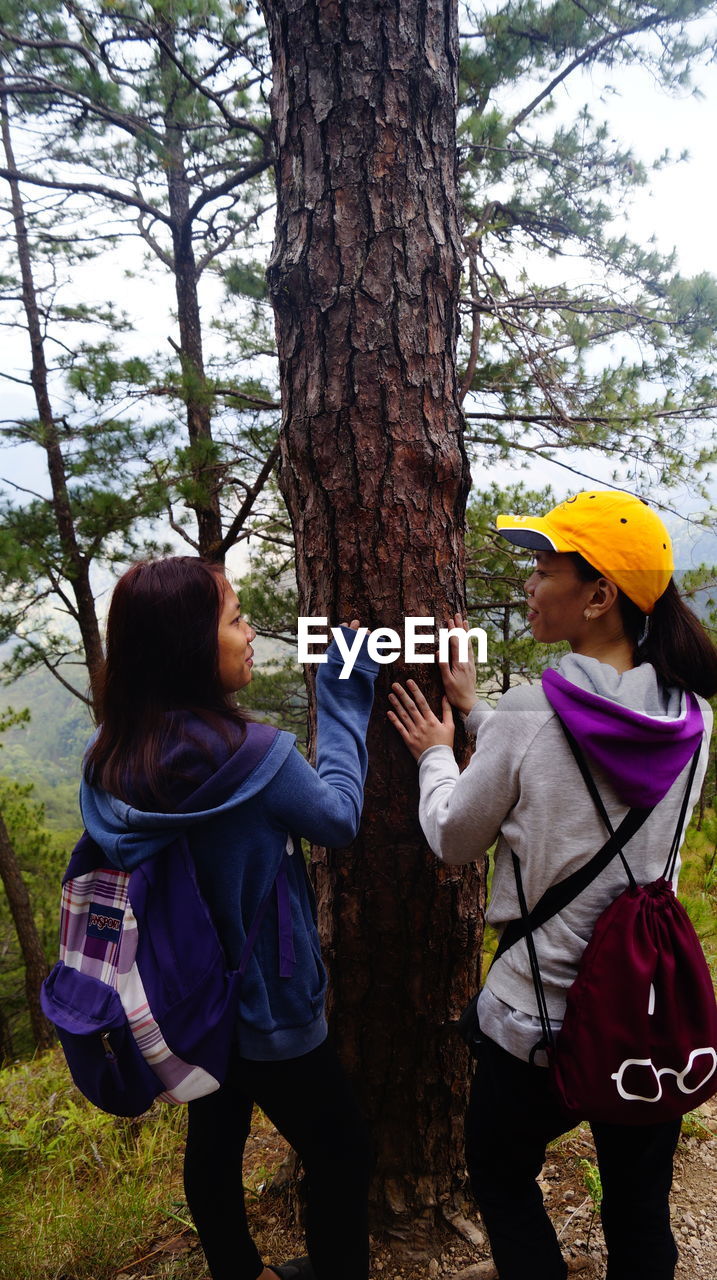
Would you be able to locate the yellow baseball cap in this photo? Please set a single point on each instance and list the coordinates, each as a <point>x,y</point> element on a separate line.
<point>617,533</point>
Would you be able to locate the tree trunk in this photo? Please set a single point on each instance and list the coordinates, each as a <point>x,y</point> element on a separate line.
<point>202,454</point>
<point>76,566</point>
<point>364,278</point>
<point>7,1052</point>
<point>36,967</point>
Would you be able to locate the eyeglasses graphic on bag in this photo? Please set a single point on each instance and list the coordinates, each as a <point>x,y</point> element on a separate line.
<point>637,1078</point>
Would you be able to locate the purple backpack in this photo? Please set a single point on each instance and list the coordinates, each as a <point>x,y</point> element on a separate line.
<point>144,1003</point>
<point>638,1044</point>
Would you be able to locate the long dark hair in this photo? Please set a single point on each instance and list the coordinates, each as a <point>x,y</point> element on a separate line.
<point>671,638</point>
<point>162,657</point>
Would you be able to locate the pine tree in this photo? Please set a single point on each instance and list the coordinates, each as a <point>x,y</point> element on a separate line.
<point>154,111</point>
<point>578,335</point>
<point>51,544</point>
<point>364,279</point>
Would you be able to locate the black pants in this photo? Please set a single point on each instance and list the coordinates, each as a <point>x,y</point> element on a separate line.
<point>309,1101</point>
<point>511,1118</point>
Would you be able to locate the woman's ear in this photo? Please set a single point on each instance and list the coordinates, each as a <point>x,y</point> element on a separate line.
<point>603,597</point>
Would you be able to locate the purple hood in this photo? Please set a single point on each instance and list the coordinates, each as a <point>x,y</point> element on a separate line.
<point>642,754</point>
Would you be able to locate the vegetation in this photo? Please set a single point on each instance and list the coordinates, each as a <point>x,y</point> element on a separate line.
<point>80,1188</point>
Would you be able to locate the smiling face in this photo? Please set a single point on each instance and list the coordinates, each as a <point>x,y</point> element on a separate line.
<point>234,637</point>
<point>558,599</point>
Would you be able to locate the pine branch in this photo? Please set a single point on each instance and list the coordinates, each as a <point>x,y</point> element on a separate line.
<point>88,188</point>
<point>245,509</point>
<point>588,55</point>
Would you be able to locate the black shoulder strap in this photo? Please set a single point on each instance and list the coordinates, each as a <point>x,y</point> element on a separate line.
<point>559,895</point>
<point>671,863</point>
<point>597,798</point>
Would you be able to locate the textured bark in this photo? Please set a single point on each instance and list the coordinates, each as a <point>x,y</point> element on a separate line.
<point>7,1051</point>
<point>36,967</point>
<point>364,278</point>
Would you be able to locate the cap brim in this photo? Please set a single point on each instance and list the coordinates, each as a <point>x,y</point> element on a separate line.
<point>531,535</point>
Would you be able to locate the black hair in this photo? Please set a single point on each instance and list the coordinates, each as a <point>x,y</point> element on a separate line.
<point>671,638</point>
<point>162,658</point>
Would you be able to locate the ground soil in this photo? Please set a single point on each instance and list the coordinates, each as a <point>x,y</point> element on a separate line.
<point>565,1183</point>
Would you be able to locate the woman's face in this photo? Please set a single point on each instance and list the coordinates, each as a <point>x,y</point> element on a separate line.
<point>557,599</point>
<point>234,637</point>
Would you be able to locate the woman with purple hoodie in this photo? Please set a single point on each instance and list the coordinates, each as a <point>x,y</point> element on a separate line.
<point>632,693</point>
<point>176,758</point>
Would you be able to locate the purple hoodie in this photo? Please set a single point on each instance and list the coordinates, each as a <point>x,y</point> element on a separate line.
<point>641,754</point>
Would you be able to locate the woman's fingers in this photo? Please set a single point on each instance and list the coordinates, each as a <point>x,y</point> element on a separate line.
<point>397,723</point>
<point>412,707</point>
<point>399,710</point>
<point>404,706</point>
<point>418,696</point>
<point>411,715</point>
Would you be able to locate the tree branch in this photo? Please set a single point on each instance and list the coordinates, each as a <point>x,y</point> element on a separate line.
<point>235,527</point>
<point>475,325</point>
<point>41,656</point>
<point>613,37</point>
<point>90,188</point>
<point>236,180</point>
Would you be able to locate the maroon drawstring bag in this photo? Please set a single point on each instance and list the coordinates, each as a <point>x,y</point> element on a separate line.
<point>639,1041</point>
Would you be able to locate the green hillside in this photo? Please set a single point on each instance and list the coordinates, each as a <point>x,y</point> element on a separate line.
<point>47,752</point>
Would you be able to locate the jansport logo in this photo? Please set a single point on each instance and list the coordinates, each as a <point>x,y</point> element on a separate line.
<point>104,923</point>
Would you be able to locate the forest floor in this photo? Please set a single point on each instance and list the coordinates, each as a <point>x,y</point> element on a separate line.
<point>568,1183</point>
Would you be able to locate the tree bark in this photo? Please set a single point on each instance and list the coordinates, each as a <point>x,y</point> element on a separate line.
<point>36,967</point>
<point>7,1052</point>
<point>197,394</point>
<point>77,565</point>
<point>364,279</point>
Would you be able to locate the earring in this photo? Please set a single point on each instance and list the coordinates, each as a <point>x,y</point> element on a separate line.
<point>587,615</point>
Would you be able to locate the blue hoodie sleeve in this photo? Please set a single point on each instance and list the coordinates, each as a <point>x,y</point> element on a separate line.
<point>324,803</point>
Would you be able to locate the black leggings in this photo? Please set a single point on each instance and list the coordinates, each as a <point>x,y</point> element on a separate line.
<point>309,1101</point>
<point>512,1116</point>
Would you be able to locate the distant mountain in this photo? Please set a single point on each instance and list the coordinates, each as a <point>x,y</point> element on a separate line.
<point>48,751</point>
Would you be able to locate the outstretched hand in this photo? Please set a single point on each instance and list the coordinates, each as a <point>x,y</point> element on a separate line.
<point>459,678</point>
<point>416,723</point>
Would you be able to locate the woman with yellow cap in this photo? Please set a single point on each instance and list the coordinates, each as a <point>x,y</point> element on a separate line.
<point>632,692</point>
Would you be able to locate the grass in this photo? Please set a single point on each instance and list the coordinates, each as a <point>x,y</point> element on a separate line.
<point>698,885</point>
<point>80,1188</point>
<point>88,1196</point>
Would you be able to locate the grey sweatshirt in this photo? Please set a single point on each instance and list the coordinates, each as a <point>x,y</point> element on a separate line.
<point>523,788</point>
